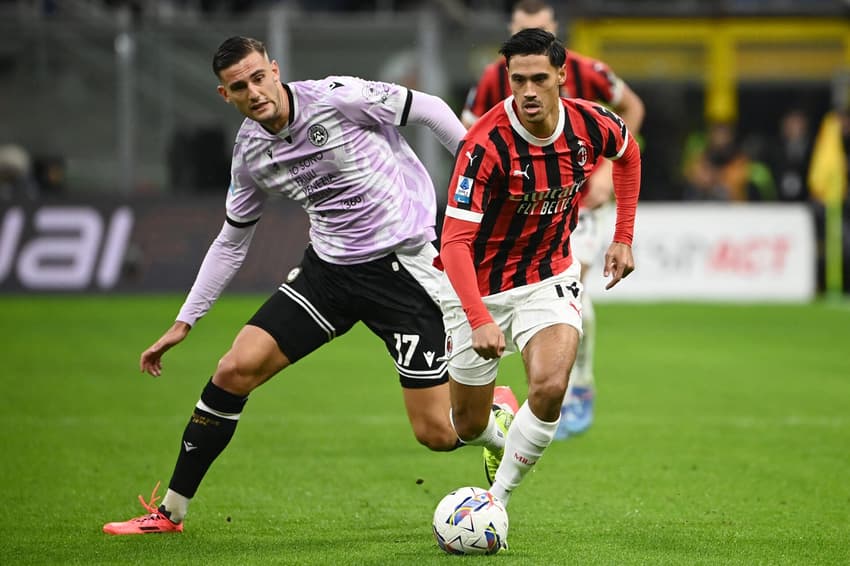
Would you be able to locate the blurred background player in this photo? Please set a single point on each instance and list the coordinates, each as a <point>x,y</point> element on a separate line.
<point>592,80</point>
<point>513,284</point>
<point>333,146</point>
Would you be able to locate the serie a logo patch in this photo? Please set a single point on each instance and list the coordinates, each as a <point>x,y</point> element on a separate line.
<point>463,191</point>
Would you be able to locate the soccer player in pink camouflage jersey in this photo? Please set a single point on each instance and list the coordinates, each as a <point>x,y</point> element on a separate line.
<point>332,145</point>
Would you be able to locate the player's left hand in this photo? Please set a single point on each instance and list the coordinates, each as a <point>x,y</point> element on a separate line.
<point>618,263</point>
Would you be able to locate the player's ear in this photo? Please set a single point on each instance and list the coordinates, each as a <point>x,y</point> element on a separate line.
<point>223,92</point>
<point>562,74</point>
<point>275,69</point>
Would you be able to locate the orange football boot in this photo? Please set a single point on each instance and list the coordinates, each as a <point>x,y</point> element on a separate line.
<point>153,522</point>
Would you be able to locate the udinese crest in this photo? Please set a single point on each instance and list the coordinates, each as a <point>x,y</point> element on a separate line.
<point>318,135</point>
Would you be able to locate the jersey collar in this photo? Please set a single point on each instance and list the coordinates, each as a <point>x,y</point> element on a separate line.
<point>525,134</point>
<point>285,134</point>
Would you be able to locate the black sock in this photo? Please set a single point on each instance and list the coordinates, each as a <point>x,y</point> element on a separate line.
<point>209,431</point>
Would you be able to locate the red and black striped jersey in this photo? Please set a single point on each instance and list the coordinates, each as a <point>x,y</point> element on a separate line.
<point>587,78</point>
<point>512,201</point>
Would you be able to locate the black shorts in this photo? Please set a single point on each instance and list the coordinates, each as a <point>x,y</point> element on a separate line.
<point>320,301</point>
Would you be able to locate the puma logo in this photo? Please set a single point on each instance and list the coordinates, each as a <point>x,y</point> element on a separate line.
<point>523,173</point>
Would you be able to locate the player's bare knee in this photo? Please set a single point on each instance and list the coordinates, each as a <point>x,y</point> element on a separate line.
<point>235,377</point>
<point>553,387</point>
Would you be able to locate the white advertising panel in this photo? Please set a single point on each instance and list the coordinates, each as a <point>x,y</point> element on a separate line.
<point>715,252</point>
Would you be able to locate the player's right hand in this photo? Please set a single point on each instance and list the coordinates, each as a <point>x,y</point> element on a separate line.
<point>151,359</point>
<point>488,341</point>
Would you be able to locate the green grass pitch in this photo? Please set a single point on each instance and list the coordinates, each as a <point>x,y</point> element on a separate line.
<point>722,436</point>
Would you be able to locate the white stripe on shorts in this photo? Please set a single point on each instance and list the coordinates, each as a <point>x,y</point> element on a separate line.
<point>311,310</point>
<point>434,373</point>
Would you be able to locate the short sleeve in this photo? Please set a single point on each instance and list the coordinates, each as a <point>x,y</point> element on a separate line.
<point>475,167</point>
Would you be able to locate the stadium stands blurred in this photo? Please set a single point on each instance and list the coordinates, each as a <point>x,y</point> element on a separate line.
<point>131,79</point>
<point>116,98</point>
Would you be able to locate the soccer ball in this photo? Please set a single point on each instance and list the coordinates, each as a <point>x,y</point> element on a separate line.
<point>470,520</point>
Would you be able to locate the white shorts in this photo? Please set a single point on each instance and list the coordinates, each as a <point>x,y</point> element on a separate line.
<point>419,262</point>
<point>520,313</point>
<point>587,241</point>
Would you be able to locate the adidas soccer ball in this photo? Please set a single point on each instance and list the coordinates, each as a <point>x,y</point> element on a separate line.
<point>470,520</point>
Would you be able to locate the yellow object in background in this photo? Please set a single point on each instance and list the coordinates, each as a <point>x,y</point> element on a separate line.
<point>828,183</point>
<point>828,169</point>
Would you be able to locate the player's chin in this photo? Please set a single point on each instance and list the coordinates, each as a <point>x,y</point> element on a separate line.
<point>262,112</point>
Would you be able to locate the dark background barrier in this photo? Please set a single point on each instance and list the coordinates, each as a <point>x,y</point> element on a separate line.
<point>137,245</point>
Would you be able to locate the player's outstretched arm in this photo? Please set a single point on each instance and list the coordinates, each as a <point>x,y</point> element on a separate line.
<point>488,341</point>
<point>619,261</point>
<point>151,360</point>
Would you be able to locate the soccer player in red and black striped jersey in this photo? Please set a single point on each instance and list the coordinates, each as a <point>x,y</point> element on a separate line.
<point>505,249</point>
<point>590,79</point>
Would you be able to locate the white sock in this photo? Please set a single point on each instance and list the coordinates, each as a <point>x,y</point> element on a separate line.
<point>582,372</point>
<point>492,437</point>
<point>527,438</point>
<point>176,505</point>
